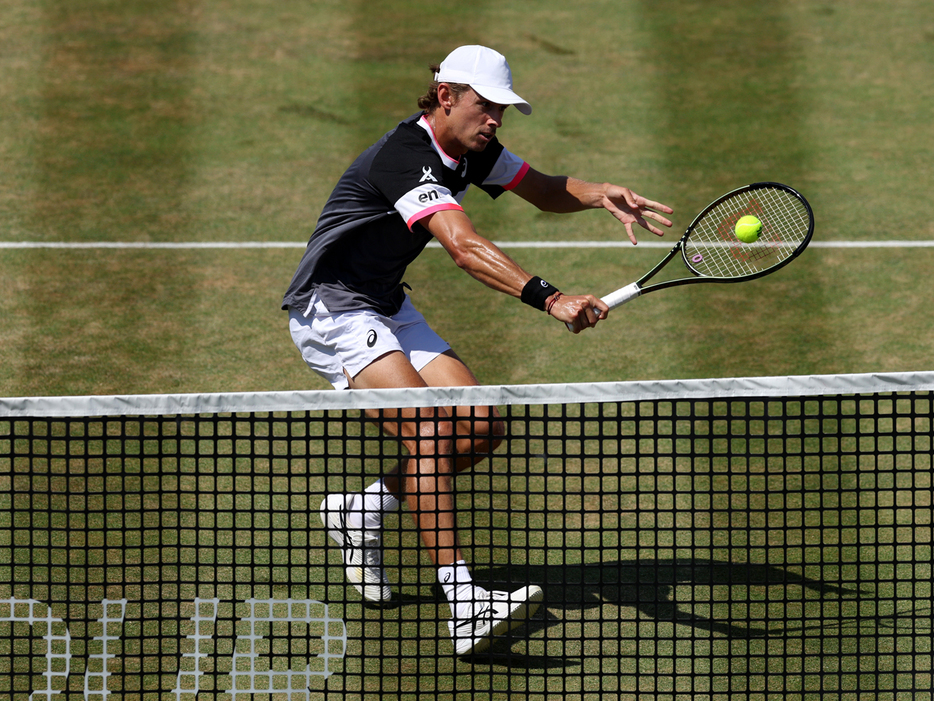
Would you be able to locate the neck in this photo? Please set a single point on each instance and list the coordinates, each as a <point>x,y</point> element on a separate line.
<point>445,139</point>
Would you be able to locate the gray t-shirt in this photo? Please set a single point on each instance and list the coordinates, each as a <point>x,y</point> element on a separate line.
<point>368,231</point>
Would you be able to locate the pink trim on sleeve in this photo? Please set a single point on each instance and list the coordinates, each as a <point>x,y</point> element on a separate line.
<point>516,180</point>
<point>431,210</point>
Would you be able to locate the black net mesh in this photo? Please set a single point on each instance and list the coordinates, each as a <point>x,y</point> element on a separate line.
<point>758,548</point>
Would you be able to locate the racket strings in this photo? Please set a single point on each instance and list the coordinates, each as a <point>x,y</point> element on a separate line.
<point>712,249</point>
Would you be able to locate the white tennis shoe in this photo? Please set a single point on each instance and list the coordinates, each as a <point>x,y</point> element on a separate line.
<point>361,549</point>
<point>493,613</point>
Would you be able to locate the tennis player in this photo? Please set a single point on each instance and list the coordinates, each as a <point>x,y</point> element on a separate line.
<point>355,325</point>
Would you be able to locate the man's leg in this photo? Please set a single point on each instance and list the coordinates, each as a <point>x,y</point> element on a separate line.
<point>428,437</point>
<point>354,521</point>
<point>478,431</point>
<point>438,444</point>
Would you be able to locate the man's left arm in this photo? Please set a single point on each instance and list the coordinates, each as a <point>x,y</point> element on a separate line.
<point>561,194</point>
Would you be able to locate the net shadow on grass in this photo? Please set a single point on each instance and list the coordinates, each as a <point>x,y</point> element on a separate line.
<point>647,586</point>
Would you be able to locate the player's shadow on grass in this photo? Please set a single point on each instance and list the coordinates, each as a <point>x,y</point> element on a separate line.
<point>648,587</point>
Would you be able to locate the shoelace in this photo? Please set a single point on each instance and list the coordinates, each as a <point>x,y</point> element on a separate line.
<point>466,626</point>
<point>485,613</point>
<point>372,556</point>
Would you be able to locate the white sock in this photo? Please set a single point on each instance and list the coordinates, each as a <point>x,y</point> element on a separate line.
<point>458,587</point>
<point>376,501</point>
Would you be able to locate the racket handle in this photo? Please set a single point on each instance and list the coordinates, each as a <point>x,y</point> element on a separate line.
<point>618,298</point>
<point>622,295</point>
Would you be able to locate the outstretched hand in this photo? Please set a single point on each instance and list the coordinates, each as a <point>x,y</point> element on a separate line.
<point>630,208</point>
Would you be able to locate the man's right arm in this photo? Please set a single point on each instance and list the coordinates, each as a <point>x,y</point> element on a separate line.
<point>486,262</point>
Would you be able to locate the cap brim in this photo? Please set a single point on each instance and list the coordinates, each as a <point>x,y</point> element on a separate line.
<point>501,96</point>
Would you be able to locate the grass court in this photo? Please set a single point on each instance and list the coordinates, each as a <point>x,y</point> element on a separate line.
<point>207,122</point>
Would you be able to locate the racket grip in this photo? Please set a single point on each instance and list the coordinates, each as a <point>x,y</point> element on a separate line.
<point>618,298</point>
<point>622,295</point>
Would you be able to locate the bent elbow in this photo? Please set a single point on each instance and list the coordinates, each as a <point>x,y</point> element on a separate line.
<point>462,257</point>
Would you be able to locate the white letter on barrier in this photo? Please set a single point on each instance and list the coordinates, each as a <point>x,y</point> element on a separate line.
<point>104,655</point>
<point>290,611</point>
<point>195,673</point>
<point>12,610</point>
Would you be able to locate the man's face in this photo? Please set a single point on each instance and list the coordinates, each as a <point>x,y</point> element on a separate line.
<point>474,121</point>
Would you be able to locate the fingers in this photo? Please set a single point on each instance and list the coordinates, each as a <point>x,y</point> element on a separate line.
<point>581,312</point>
<point>650,204</point>
<point>637,202</point>
<point>601,308</point>
<point>664,221</point>
<point>654,229</point>
<point>632,236</point>
<point>642,220</point>
<point>640,211</point>
<point>657,217</point>
<point>632,199</point>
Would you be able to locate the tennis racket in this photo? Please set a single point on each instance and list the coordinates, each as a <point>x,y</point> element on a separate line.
<point>711,251</point>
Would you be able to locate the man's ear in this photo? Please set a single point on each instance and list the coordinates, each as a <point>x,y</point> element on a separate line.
<point>446,96</point>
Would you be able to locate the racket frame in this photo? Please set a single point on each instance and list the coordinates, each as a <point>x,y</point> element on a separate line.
<point>638,288</point>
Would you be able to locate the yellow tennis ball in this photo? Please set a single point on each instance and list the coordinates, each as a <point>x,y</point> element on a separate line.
<point>748,229</point>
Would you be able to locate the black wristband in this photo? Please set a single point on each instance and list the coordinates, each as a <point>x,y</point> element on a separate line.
<point>536,292</point>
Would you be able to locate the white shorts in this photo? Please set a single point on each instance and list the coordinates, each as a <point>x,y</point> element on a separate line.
<point>330,343</point>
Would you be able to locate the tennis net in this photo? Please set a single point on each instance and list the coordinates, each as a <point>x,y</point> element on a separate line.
<point>751,538</point>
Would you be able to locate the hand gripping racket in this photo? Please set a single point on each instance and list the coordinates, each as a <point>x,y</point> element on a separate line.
<point>711,251</point>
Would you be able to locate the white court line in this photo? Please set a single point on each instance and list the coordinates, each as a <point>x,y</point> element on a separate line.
<point>433,244</point>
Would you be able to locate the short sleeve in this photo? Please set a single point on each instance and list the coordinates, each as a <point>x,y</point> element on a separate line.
<point>507,172</point>
<point>410,177</point>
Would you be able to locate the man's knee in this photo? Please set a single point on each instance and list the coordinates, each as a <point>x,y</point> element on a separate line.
<point>486,431</point>
<point>435,434</point>
<point>497,433</point>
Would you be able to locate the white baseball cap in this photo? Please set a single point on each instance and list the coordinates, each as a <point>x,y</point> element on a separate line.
<point>486,71</point>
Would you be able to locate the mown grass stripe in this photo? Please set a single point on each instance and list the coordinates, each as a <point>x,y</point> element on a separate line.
<point>502,244</point>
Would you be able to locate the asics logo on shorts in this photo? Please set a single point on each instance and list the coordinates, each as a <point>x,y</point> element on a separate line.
<point>371,339</point>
